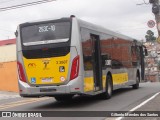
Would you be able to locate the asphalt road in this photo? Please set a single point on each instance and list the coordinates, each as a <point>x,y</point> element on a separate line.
<point>122,100</point>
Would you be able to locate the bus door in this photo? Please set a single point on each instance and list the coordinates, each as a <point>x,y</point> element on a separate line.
<point>96,61</point>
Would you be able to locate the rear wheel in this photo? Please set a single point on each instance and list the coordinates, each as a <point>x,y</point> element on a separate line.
<point>136,86</point>
<point>109,88</point>
<point>64,97</point>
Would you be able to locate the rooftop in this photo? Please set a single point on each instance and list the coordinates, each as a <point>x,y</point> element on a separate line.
<point>7,42</point>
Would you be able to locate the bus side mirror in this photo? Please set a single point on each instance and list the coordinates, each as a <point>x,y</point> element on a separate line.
<point>16,33</point>
<point>146,52</point>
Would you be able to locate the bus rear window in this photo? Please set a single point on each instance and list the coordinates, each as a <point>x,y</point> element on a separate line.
<point>45,33</point>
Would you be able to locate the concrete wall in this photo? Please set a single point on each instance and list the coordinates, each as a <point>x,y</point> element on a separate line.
<point>8,68</point>
<point>152,78</point>
<point>8,53</point>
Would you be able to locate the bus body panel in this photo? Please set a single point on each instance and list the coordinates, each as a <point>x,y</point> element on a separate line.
<point>121,75</point>
<point>44,71</point>
<point>31,91</point>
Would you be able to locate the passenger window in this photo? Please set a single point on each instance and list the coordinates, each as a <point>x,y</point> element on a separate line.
<point>116,64</point>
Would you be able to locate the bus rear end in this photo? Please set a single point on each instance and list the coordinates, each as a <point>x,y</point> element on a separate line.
<point>48,63</point>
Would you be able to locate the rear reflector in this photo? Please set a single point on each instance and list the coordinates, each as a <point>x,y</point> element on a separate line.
<point>21,72</point>
<point>77,88</point>
<point>75,68</point>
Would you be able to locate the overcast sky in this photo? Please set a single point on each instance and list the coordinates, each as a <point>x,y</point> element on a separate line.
<point>122,16</point>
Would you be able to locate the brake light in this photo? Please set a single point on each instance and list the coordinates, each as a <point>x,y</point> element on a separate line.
<point>75,68</point>
<point>21,72</point>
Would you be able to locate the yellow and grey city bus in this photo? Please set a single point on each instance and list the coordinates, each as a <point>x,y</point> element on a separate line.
<point>68,56</point>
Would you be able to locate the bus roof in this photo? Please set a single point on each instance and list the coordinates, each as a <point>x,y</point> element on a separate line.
<point>102,29</point>
<point>88,25</point>
<point>45,20</point>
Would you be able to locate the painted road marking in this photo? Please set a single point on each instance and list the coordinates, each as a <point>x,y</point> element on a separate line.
<point>19,103</point>
<point>140,105</point>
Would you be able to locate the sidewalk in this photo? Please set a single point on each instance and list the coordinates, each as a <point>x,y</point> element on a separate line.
<point>8,95</point>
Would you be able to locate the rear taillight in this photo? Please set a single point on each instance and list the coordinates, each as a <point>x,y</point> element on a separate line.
<point>75,68</point>
<point>21,72</point>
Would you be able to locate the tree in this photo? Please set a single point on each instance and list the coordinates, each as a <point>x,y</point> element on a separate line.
<point>158,65</point>
<point>150,36</point>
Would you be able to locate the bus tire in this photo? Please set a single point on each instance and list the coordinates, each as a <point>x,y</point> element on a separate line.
<point>136,86</point>
<point>109,88</point>
<point>63,98</point>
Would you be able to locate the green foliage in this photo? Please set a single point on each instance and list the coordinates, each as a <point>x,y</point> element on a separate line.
<point>150,36</point>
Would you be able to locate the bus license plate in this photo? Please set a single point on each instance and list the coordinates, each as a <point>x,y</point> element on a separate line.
<point>44,80</point>
<point>47,90</point>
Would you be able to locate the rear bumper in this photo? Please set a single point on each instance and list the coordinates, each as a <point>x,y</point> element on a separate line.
<point>71,88</point>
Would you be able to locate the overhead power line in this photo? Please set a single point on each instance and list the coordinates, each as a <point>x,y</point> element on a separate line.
<point>25,5</point>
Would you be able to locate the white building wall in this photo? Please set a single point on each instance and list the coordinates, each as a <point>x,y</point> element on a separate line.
<point>8,53</point>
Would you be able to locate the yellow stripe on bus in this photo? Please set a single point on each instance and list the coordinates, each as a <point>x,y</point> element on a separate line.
<point>117,79</point>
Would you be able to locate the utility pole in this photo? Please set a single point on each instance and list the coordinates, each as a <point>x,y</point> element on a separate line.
<point>156,11</point>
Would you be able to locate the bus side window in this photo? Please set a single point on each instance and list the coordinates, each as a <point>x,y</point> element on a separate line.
<point>88,63</point>
<point>146,52</point>
<point>87,49</point>
<point>133,50</point>
<point>116,64</point>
